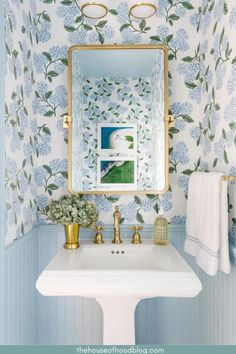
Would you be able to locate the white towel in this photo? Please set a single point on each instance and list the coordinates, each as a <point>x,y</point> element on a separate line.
<point>207,222</point>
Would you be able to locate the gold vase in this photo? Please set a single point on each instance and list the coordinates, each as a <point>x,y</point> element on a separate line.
<point>72,236</point>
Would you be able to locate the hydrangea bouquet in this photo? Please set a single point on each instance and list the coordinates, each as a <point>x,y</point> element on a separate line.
<point>72,209</point>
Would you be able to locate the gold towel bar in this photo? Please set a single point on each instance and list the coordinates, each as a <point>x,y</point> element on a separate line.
<point>228,178</point>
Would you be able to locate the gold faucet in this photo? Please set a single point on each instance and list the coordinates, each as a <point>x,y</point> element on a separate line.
<point>117,217</point>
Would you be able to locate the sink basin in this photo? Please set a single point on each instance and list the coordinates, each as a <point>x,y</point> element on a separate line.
<point>118,277</point>
<point>145,270</point>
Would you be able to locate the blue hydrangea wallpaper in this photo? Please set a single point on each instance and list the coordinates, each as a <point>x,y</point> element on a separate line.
<point>200,35</point>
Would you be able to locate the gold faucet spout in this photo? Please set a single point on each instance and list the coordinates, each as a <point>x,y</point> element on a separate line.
<point>117,217</point>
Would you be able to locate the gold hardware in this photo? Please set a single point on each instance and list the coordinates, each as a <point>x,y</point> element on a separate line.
<point>166,110</point>
<point>103,6</point>
<point>228,178</point>
<point>140,5</point>
<point>117,217</point>
<point>98,237</point>
<point>72,236</point>
<point>136,236</point>
<point>171,120</point>
<point>66,120</point>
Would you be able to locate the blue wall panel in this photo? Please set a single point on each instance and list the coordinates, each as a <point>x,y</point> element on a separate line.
<point>20,296</point>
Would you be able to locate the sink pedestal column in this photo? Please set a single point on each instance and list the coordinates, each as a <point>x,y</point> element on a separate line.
<point>118,320</point>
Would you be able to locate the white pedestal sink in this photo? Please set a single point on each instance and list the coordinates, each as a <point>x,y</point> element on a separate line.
<point>118,277</point>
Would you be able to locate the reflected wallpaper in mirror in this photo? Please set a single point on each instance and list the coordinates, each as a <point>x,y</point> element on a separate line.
<point>118,111</point>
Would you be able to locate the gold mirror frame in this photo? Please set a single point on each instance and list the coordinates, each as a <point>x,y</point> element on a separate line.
<point>68,121</point>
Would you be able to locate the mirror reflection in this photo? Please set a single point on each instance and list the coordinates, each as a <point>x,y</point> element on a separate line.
<point>118,106</point>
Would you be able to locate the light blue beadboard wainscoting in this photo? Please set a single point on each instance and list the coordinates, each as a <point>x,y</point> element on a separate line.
<point>20,295</point>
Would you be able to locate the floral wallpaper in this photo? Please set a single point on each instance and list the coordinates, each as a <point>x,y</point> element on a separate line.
<point>119,100</point>
<point>23,135</point>
<point>202,79</point>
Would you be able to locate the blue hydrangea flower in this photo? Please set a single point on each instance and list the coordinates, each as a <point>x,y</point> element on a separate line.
<point>42,201</point>
<point>162,31</point>
<point>40,61</point>
<point>102,203</point>
<point>162,5</point>
<point>206,21</point>
<point>42,87</point>
<point>44,149</point>
<point>59,68</point>
<point>78,37</point>
<point>68,14</point>
<point>220,74</point>
<point>11,168</point>
<point>147,205</point>
<point>188,70</point>
<point>195,133</point>
<point>58,52</point>
<point>231,84</point>
<point>180,153</point>
<point>55,165</point>
<point>130,37</point>
<point>230,110</point>
<point>123,13</point>
<point>195,18</point>
<point>180,11</point>
<point>229,139</point>
<point>219,147</point>
<point>204,166</point>
<point>180,40</point>
<point>182,182</point>
<point>178,108</point>
<point>128,211</point>
<point>59,97</point>
<point>44,33</point>
<point>39,176</point>
<point>166,201</point>
<point>180,124</point>
<point>108,32</point>
<point>196,94</point>
<point>59,181</point>
<point>178,220</point>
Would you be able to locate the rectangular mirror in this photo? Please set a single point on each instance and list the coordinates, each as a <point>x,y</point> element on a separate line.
<point>118,119</point>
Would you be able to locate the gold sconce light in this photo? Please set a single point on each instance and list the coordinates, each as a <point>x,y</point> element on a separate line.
<point>143,10</point>
<point>99,9</point>
<point>94,10</point>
